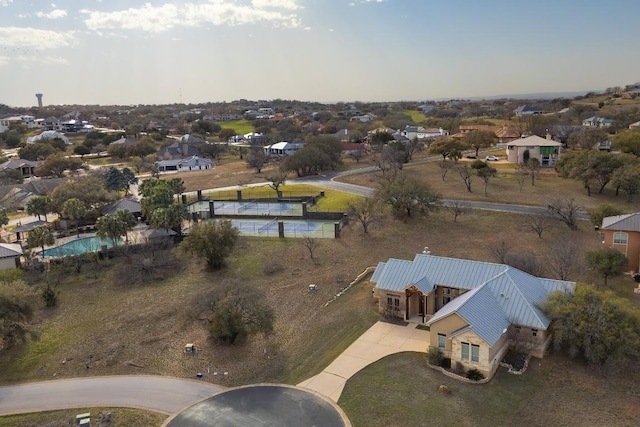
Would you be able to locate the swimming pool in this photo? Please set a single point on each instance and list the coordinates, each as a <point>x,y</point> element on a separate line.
<point>78,246</point>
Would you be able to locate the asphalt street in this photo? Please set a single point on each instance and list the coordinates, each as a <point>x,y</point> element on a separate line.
<point>160,394</point>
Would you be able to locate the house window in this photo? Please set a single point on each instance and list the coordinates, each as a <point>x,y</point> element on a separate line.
<point>441,340</point>
<point>465,351</point>
<point>620,238</point>
<point>447,291</point>
<point>445,300</point>
<point>475,353</point>
<point>518,328</point>
<point>534,332</point>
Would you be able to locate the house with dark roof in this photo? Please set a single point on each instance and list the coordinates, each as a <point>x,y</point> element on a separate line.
<point>622,232</point>
<point>129,205</point>
<point>475,310</point>
<point>526,110</point>
<point>194,163</point>
<point>25,167</point>
<point>178,150</point>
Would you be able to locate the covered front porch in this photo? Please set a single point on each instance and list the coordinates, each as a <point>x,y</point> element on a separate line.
<point>419,306</point>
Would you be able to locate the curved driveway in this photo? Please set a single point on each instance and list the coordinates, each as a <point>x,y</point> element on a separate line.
<point>160,394</point>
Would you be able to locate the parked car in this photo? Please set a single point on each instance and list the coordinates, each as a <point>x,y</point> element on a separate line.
<point>492,158</point>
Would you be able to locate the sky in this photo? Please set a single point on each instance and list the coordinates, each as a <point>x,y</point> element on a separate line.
<point>171,51</point>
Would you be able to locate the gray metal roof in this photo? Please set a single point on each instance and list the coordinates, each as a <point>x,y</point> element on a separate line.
<point>627,222</point>
<point>535,141</point>
<point>10,250</point>
<point>499,294</point>
<point>124,205</point>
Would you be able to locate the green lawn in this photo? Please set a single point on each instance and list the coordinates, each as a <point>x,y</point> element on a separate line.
<point>240,126</point>
<point>120,417</point>
<point>401,390</point>
<point>416,116</point>
<point>333,200</point>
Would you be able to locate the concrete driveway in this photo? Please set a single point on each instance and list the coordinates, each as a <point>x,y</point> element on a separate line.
<point>160,394</point>
<point>379,341</point>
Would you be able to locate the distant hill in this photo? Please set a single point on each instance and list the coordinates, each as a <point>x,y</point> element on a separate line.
<point>541,95</point>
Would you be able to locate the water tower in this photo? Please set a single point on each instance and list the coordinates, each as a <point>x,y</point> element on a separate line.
<point>39,96</point>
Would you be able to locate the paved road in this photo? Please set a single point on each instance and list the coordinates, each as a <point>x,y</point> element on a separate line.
<point>160,394</point>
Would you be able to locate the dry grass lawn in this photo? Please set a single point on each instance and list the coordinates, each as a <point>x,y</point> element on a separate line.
<point>120,417</point>
<point>504,188</point>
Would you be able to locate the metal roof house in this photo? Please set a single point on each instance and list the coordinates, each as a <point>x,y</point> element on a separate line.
<point>10,254</point>
<point>194,163</point>
<point>622,232</point>
<point>546,150</point>
<point>475,310</point>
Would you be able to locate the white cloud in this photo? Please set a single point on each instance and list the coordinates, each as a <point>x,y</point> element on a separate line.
<point>25,60</point>
<point>156,19</point>
<point>32,38</point>
<point>276,4</point>
<point>5,2</point>
<point>54,14</point>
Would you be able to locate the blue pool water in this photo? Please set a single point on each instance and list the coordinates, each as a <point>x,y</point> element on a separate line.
<point>78,246</point>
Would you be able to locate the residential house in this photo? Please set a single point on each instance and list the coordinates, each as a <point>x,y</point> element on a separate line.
<point>634,126</point>
<point>365,118</point>
<point>191,139</point>
<point>546,150</point>
<point>507,134</point>
<point>130,205</point>
<point>426,108</point>
<point>10,254</point>
<point>596,121</point>
<point>51,123</point>
<point>25,167</point>
<point>48,134</point>
<point>178,150</point>
<point>348,135</point>
<point>622,232</point>
<point>419,132</point>
<point>526,110</point>
<point>475,310</point>
<point>194,163</point>
<point>282,148</point>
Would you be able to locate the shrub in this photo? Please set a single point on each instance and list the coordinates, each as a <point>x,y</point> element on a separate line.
<point>435,356</point>
<point>49,296</point>
<point>475,375</point>
<point>272,267</point>
<point>446,362</point>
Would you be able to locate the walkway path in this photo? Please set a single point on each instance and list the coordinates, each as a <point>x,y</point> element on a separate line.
<point>159,394</point>
<point>381,340</point>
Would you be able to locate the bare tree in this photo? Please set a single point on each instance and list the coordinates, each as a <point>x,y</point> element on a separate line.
<point>366,211</point>
<point>532,166</point>
<point>526,262</point>
<point>358,154</point>
<point>445,166</point>
<point>466,173</point>
<point>563,258</point>
<point>538,222</point>
<point>277,180</point>
<point>486,173</point>
<point>565,209</point>
<point>500,252</point>
<point>521,177</point>
<point>456,208</point>
<point>311,244</point>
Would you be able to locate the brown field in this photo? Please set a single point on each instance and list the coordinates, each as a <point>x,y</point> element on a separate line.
<point>504,188</point>
<point>120,417</point>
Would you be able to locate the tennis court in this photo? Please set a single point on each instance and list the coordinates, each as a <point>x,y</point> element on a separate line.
<point>249,208</point>
<point>292,228</point>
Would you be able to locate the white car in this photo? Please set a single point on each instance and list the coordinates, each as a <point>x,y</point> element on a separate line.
<point>492,158</point>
